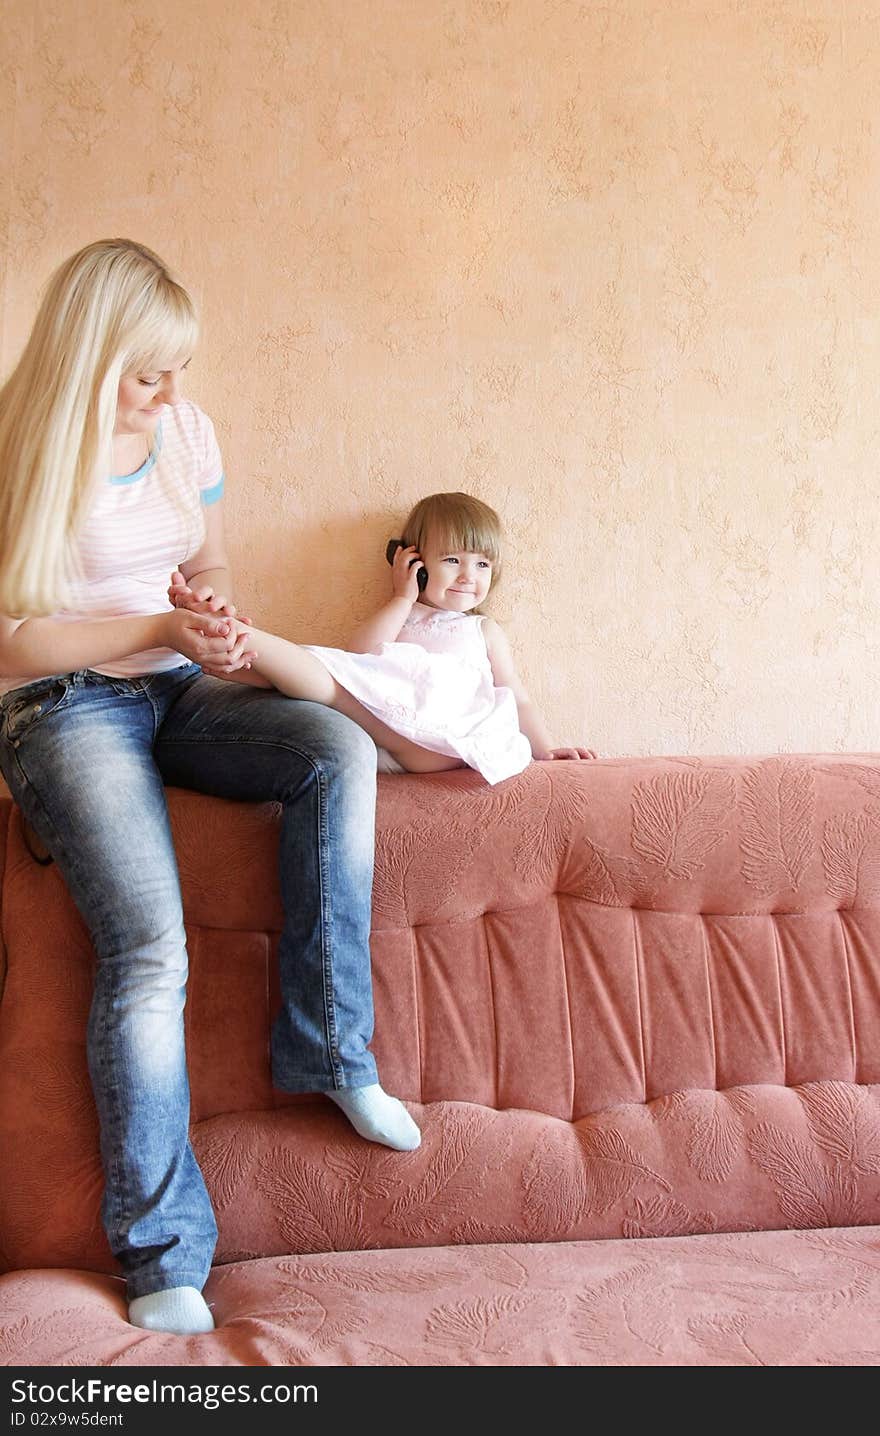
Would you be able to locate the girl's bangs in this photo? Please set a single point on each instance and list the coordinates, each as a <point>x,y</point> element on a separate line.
<point>470,538</point>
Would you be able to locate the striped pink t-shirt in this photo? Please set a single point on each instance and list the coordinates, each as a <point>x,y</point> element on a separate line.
<point>140,528</point>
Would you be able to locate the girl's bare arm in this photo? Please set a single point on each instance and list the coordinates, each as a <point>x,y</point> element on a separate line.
<point>530,720</point>
<point>385,626</point>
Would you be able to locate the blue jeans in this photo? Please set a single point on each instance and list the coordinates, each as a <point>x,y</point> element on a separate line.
<point>86,758</point>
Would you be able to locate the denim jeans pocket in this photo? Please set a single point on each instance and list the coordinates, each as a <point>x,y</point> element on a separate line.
<point>24,707</point>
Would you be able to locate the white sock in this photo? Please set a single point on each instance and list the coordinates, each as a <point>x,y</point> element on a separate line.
<point>378,1117</point>
<point>180,1309</point>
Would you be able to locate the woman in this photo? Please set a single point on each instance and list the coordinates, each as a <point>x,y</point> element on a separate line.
<point>109,481</point>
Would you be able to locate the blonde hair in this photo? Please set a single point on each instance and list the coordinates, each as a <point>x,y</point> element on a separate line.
<point>112,309</point>
<point>456,521</point>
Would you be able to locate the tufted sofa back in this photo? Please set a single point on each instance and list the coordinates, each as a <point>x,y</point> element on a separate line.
<point>640,995</point>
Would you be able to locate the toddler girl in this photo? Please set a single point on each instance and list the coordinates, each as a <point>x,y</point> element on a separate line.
<point>429,677</point>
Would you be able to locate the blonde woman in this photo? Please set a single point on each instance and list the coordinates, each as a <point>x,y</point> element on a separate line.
<point>109,481</point>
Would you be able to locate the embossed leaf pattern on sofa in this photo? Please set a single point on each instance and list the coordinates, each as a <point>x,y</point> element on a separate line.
<point>599,1316</point>
<point>851,857</point>
<point>376,1355</point>
<point>809,1194</point>
<point>29,1333</point>
<point>867,777</point>
<point>723,1338</point>
<point>472,1232</point>
<point>465,825</point>
<point>610,879</point>
<point>712,1136</point>
<point>447,842</point>
<point>419,865</point>
<point>742,1100</point>
<point>454,1183</point>
<point>502,1268</point>
<point>677,818</point>
<point>319,1272</point>
<point>844,1123</point>
<point>224,1164</point>
<point>554,1191</point>
<point>395,848</point>
<point>313,1213</point>
<point>369,1170</point>
<point>793,1321</point>
<point>860,1249</point>
<point>320,1321</point>
<point>325,1322</point>
<point>776,827</point>
<point>664,1217</point>
<point>476,1326</point>
<point>611,1167</point>
<point>645,1308</point>
<point>551,825</point>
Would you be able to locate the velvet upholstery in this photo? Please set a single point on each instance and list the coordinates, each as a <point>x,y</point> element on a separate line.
<point>629,1000</point>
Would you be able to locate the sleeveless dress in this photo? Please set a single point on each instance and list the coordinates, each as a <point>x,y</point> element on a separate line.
<point>434,685</point>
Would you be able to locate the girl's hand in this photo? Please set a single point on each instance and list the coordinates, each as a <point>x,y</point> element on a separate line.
<point>554,753</point>
<point>221,644</point>
<point>199,600</point>
<point>404,573</point>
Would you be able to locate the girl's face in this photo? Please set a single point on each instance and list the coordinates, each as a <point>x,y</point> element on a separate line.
<point>142,395</point>
<point>458,580</point>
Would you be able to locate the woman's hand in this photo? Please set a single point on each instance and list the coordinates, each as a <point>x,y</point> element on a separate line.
<point>554,753</point>
<point>199,600</point>
<point>404,573</point>
<point>220,645</point>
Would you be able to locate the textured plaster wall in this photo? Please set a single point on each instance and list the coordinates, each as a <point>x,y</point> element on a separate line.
<point>611,266</point>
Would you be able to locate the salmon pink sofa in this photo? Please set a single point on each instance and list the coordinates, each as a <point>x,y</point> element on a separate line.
<point>635,1006</point>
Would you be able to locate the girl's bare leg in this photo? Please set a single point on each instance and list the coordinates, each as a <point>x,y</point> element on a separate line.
<point>292,670</point>
<point>410,756</point>
<point>300,674</point>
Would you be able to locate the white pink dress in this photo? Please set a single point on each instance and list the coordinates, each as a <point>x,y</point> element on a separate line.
<point>434,685</point>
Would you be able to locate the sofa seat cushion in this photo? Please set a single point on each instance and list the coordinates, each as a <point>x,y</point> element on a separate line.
<point>301,1180</point>
<point>792,1298</point>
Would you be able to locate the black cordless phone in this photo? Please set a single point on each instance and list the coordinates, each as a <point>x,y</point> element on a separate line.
<point>391,550</point>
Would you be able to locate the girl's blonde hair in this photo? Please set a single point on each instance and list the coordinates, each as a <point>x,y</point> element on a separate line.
<point>112,309</point>
<point>456,521</point>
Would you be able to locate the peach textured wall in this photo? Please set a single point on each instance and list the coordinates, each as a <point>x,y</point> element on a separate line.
<point>611,265</point>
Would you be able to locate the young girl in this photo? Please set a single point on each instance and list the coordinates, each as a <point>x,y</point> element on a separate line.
<point>429,677</point>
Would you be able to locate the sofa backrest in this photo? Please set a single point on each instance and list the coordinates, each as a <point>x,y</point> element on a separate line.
<point>582,938</point>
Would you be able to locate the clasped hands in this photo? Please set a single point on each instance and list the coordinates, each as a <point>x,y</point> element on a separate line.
<point>208,629</point>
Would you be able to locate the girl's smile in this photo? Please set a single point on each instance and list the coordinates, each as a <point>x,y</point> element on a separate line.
<point>458,579</point>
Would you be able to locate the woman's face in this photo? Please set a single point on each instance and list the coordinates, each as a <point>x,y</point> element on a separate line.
<point>141,397</point>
